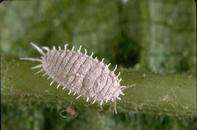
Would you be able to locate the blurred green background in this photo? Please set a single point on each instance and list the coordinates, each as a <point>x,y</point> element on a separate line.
<point>155,35</point>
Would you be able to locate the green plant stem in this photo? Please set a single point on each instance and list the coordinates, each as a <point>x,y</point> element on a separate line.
<point>165,94</point>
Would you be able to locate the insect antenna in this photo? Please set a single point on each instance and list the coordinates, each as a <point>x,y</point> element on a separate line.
<point>31,59</point>
<point>38,48</point>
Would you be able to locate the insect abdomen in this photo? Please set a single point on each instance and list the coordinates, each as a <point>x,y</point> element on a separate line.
<point>79,73</point>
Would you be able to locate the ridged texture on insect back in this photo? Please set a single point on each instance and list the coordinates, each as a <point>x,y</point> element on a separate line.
<point>81,74</point>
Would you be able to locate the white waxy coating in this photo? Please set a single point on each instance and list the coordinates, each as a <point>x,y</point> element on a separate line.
<point>79,73</point>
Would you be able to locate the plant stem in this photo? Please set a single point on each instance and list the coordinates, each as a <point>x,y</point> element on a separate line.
<point>165,94</point>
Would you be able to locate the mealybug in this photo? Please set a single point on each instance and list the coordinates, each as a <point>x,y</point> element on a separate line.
<point>79,73</point>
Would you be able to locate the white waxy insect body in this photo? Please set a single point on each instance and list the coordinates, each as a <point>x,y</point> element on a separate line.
<point>79,73</point>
